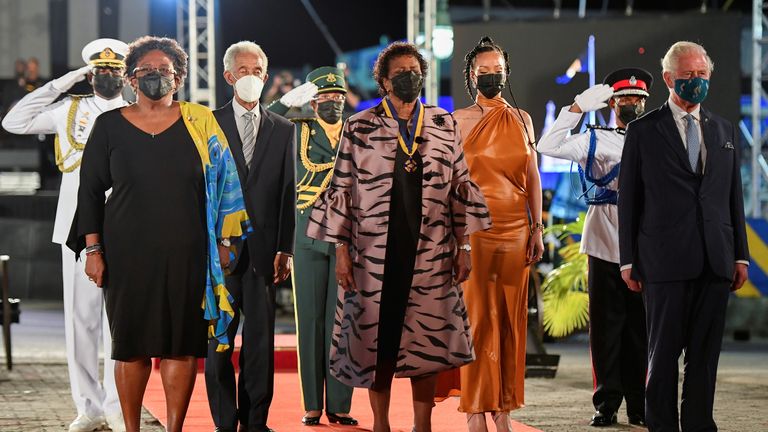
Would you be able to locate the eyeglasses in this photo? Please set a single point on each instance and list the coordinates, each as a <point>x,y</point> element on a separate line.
<point>144,70</point>
<point>331,98</point>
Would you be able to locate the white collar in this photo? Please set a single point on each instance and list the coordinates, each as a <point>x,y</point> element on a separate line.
<point>108,104</point>
<point>680,113</point>
<point>240,110</point>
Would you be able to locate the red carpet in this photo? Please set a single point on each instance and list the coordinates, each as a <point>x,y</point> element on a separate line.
<point>285,413</point>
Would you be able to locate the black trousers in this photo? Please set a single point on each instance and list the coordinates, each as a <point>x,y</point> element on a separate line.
<point>685,316</point>
<point>255,298</point>
<point>617,340</point>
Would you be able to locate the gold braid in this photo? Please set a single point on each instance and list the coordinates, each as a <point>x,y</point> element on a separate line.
<point>311,168</point>
<point>73,144</point>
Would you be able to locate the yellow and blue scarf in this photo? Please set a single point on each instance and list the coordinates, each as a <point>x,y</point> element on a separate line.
<point>225,213</point>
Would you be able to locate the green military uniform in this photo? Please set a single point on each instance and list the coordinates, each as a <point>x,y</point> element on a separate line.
<point>314,276</point>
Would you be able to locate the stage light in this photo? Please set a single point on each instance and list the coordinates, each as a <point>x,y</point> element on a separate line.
<point>442,34</point>
<point>442,42</point>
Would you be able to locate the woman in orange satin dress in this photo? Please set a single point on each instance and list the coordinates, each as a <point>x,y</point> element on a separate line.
<point>502,161</point>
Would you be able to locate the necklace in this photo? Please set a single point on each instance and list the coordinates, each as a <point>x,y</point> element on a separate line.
<point>406,137</point>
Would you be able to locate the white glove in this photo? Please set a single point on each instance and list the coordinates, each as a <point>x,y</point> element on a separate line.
<point>66,81</point>
<point>300,95</point>
<point>594,98</point>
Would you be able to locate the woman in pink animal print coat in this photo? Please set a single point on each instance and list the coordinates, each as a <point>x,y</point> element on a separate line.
<point>400,208</point>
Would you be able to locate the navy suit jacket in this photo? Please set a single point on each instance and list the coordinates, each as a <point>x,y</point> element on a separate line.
<point>672,221</point>
<point>269,186</point>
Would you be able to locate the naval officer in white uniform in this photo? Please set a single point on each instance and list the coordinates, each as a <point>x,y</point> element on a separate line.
<point>617,336</point>
<point>71,119</point>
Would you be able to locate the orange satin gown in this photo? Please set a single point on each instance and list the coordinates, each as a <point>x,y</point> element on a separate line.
<point>496,293</point>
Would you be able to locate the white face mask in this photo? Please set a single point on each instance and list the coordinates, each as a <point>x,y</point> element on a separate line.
<point>249,88</point>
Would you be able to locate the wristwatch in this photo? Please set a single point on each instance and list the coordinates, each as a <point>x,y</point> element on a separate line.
<point>225,242</point>
<point>466,247</point>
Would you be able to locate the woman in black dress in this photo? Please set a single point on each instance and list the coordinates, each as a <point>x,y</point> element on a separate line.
<point>149,246</point>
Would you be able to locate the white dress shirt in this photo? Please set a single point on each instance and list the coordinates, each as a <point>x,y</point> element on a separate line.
<point>37,113</point>
<point>600,238</point>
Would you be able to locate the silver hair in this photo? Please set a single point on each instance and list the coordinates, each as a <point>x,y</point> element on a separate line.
<point>677,50</point>
<point>243,47</point>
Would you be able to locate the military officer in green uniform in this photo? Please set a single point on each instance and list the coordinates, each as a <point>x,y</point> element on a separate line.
<point>314,278</point>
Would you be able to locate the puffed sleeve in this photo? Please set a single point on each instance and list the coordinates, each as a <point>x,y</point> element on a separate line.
<point>95,180</point>
<point>331,218</point>
<point>469,212</point>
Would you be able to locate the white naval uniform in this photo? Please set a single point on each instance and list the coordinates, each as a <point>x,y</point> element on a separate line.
<point>600,238</point>
<point>37,113</point>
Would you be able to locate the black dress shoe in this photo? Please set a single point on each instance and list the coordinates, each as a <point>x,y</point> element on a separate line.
<point>603,419</point>
<point>310,421</point>
<point>345,421</point>
<point>636,419</point>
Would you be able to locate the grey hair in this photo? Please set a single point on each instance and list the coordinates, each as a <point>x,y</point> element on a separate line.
<point>243,47</point>
<point>677,50</point>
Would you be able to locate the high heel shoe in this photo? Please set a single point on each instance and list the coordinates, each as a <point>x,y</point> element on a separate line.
<point>345,421</point>
<point>311,421</point>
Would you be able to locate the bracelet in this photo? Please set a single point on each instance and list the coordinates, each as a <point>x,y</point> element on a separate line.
<point>93,249</point>
<point>537,226</point>
<point>339,244</point>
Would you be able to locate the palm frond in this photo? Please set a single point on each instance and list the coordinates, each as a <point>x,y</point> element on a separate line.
<point>564,290</point>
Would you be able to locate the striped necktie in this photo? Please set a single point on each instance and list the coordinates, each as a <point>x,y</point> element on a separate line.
<point>249,138</point>
<point>692,141</point>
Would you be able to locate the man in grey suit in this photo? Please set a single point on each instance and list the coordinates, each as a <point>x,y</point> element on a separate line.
<point>263,145</point>
<point>682,238</point>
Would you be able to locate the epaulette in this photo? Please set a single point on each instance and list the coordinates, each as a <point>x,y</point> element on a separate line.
<point>303,119</point>
<point>606,128</point>
<point>80,96</point>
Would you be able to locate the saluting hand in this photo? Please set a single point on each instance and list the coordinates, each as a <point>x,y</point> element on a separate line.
<point>66,81</point>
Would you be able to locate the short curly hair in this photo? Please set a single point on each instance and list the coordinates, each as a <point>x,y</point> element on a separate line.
<point>393,50</point>
<point>141,46</point>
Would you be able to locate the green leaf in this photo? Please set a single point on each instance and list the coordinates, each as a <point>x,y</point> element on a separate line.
<point>564,290</point>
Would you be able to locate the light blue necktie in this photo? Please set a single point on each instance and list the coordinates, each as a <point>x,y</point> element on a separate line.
<point>692,140</point>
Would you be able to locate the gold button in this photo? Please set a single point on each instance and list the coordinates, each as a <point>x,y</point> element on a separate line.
<point>313,132</point>
<point>309,147</point>
<point>333,157</point>
<point>302,211</point>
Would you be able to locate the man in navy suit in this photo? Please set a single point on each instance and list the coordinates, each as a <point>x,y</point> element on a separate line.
<point>264,149</point>
<point>682,238</point>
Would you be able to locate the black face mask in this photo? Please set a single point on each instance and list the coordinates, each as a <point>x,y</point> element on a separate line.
<point>155,86</point>
<point>489,85</point>
<point>407,85</point>
<point>330,111</point>
<point>107,86</point>
<point>627,113</point>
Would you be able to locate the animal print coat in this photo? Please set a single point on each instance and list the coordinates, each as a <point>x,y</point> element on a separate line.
<point>355,210</point>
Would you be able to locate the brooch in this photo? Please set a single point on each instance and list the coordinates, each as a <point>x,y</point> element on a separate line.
<point>439,120</point>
